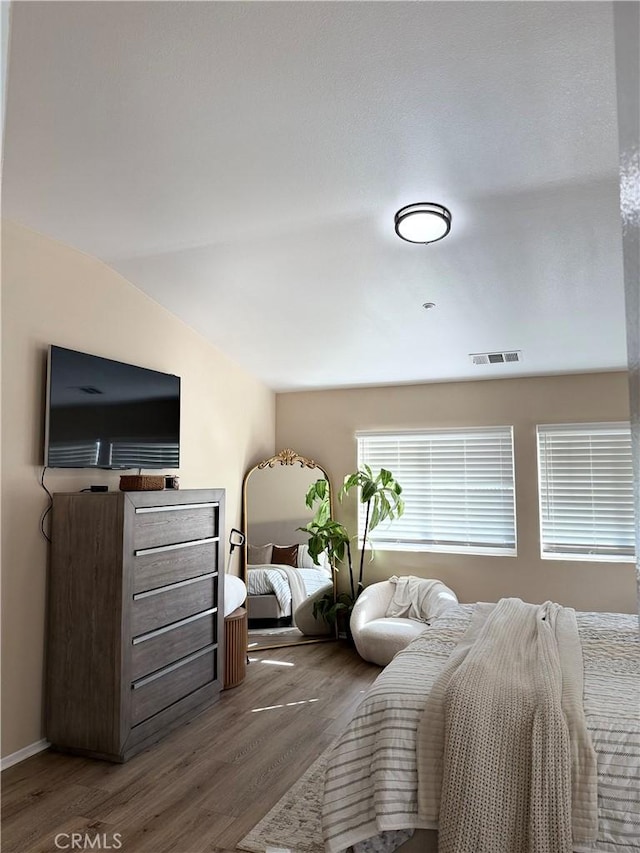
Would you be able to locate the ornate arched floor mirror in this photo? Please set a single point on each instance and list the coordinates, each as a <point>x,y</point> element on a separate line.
<point>282,580</point>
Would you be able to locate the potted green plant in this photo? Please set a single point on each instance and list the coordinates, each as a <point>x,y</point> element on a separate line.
<point>381,495</point>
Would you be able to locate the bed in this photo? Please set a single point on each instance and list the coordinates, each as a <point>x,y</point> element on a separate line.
<point>370,796</point>
<point>276,590</point>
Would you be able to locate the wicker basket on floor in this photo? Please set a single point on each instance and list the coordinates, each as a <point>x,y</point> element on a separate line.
<point>141,482</point>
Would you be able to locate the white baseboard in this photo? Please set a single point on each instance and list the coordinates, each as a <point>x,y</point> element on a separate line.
<point>24,753</point>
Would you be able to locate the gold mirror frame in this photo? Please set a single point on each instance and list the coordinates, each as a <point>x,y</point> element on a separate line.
<point>286,457</point>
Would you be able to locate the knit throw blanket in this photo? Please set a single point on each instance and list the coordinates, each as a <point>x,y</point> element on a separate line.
<point>505,762</point>
<point>421,599</point>
<point>296,585</point>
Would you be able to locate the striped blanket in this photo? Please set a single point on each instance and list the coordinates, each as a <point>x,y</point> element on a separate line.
<point>289,585</point>
<point>371,781</point>
<point>269,580</point>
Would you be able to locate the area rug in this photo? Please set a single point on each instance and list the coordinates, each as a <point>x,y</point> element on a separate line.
<point>275,632</point>
<point>267,638</point>
<point>293,824</point>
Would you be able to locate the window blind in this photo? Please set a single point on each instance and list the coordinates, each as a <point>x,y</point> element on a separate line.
<point>129,454</point>
<point>586,491</point>
<point>458,488</point>
<point>73,454</point>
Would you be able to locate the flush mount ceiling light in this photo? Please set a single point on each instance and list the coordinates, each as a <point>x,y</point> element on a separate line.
<point>424,222</point>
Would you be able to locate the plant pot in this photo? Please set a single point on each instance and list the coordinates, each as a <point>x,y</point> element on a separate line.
<point>344,626</point>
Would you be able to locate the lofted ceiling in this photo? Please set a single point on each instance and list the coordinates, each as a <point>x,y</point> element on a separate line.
<point>241,163</point>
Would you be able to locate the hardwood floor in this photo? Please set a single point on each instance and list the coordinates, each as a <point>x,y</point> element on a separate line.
<point>202,788</point>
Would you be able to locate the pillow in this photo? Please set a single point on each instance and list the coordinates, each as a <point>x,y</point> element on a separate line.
<point>305,561</point>
<point>259,555</point>
<point>285,555</point>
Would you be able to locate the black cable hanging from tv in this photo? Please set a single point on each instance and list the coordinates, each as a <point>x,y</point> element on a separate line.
<point>48,509</point>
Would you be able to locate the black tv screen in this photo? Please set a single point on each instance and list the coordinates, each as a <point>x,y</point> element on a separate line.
<point>106,414</point>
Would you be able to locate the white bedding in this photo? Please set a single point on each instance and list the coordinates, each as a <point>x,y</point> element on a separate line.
<point>371,782</point>
<point>272,579</point>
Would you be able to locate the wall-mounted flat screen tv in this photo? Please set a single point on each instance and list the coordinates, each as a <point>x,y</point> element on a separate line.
<point>106,414</point>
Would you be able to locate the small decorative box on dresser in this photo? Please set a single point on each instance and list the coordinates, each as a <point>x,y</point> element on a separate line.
<point>135,625</point>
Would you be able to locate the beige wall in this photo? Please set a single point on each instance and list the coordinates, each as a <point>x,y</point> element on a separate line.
<point>276,504</point>
<point>52,294</point>
<point>322,424</point>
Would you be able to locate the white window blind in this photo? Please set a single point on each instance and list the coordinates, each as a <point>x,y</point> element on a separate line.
<point>458,488</point>
<point>73,454</point>
<point>129,454</point>
<point>586,491</point>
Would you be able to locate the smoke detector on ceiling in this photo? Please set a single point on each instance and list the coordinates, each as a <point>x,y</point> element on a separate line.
<point>496,357</point>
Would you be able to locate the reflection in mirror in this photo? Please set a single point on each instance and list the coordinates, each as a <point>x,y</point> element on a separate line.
<point>283,581</point>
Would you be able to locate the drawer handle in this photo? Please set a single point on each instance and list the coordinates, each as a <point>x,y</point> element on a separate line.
<point>139,595</point>
<point>173,626</point>
<point>142,682</point>
<point>174,507</point>
<point>159,548</point>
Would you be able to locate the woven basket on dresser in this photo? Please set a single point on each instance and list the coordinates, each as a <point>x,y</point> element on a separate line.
<point>141,482</point>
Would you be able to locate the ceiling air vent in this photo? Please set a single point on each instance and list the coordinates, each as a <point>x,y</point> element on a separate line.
<point>496,357</point>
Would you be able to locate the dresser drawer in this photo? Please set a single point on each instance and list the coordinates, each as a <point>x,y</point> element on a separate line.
<point>168,525</point>
<point>167,645</point>
<point>156,692</point>
<point>178,563</point>
<point>151,610</point>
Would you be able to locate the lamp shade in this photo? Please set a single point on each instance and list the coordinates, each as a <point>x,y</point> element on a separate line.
<point>424,222</point>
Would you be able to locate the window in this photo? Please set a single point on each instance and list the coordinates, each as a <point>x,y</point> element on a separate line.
<point>586,492</point>
<point>458,488</point>
<point>65,454</point>
<point>149,454</point>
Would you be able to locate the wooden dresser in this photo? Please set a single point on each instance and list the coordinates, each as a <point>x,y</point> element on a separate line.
<point>135,620</point>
